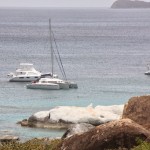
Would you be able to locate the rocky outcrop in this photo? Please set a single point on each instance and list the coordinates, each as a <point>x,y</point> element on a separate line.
<point>8,138</point>
<point>138,110</point>
<point>130,4</point>
<point>24,122</point>
<point>64,116</point>
<point>80,123</point>
<point>115,134</point>
<point>77,129</point>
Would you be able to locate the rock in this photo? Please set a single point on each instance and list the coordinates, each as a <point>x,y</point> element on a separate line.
<point>24,123</point>
<point>130,4</point>
<point>34,121</point>
<point>138,110</point>
<point>77,129</point>
<point>63,116</point>
<point>8,138</point>
<point>112,135</point>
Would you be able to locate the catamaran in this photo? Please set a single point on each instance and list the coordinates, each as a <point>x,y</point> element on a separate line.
<point>51,82</point>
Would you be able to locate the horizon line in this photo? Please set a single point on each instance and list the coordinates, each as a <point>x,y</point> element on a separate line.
<point>52,7</point>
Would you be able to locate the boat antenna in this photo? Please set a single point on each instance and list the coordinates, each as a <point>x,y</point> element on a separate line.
<point>51,46</point>
<point>148,66</point>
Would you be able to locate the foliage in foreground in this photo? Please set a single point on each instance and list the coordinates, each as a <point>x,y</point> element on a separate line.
<point>35,144</point>
<point>142,145</point>
<point>46,144</point>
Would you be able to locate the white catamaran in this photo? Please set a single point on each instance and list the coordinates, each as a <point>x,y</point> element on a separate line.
<point>51,82</point>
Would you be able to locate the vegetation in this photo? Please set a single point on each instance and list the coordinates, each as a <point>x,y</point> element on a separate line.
<point>142,145</point>
<point>46,144</point>
<point>35,144</point>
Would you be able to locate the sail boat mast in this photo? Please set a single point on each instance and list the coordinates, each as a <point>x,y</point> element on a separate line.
<point>56,54</point>
<point>51,46</point>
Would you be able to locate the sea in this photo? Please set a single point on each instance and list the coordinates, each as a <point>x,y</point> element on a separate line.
<point>105,51</point>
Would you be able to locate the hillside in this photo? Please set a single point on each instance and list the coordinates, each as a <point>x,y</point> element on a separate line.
<point>130,4</point>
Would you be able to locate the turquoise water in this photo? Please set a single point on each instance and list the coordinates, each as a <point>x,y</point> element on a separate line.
<point>104,50</point>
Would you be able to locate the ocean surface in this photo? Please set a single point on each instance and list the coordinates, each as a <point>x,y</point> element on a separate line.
<point>104,50</point>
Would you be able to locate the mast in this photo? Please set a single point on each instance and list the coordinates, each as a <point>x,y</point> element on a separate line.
<point>51,46</point>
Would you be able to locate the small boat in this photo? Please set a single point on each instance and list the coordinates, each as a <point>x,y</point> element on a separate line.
<point>148,70</point>
<point>25,73</point>
<point>48,84</point>
<point>52,82</point>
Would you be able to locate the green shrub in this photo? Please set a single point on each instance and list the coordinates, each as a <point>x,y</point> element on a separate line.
<point>142,145</point>
<point>35,144</point>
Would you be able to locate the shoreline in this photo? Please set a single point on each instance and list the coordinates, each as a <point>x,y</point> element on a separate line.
<point>132,124</point>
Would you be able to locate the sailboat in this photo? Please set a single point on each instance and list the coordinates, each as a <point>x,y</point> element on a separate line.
<point>148,70</point>
<point>51,82</point>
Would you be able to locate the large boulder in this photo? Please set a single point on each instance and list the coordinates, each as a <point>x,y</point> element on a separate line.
<point>138,110</point>
<point>63,116</point>
<point>112,135</point>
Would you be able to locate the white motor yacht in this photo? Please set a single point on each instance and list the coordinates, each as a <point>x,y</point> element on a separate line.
<point>25,73</point>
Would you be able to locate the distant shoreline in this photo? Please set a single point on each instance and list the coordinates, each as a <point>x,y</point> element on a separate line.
<point>129,4</point>
<point>64,8</point>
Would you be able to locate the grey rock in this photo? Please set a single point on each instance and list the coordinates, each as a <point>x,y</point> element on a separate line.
<point>112,135</point>
<point>77,129</point>
<point>8,138</point>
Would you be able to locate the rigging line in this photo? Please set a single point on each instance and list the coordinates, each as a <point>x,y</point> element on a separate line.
<point>59,55</point>
<point>62,72</point>
<point>58,63</point>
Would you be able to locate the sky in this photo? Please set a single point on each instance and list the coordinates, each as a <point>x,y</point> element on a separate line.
<point>57,3</point>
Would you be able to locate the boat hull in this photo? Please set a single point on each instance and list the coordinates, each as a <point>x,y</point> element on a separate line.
<point>43,86</point>
<point>23,79</point>
<point>64,86</point>
<point>147,73</point>
<point>73,85</point>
